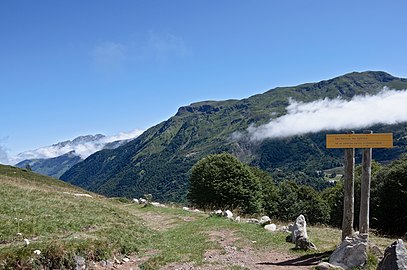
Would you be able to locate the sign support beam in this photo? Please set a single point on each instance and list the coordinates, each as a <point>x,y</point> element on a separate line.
<point>349,142</point>
<point>349,193</point>
<point>365,189</point>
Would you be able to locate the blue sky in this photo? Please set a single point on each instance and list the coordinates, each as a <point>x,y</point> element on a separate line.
<point>70,68</point>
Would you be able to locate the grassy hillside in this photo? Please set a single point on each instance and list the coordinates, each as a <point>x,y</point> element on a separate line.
<point>63,226</point>
<point>58,220</point>
<point>159,160</point>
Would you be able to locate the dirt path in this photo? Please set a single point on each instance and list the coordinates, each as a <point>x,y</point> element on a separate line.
<point>229,256</point>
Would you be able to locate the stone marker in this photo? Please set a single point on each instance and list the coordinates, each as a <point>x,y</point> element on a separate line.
<point>299,234</point>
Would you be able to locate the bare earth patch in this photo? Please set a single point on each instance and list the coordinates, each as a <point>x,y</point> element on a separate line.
<point>161,222</point>
<point>229,256</point>
<point>247,257</point>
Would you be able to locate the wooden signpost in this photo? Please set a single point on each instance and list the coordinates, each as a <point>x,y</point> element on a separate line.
<point>349,142</point>
<point>367,140</point>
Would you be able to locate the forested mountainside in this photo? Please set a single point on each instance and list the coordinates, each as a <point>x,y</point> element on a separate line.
<point>158,161</point>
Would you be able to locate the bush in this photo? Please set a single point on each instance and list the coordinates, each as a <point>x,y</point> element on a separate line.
<point>296,200</point>
<point>223,181</point>
<point>334,198</point>
<point>389,211</point>
<point>270,195</point>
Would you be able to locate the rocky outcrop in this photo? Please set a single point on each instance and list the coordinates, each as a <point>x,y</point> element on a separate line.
<point>395,257</point>
<point>351,253</point>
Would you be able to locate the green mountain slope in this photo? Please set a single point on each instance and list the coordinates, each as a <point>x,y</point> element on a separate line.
<point>158,161</point>
<point>53,167</point>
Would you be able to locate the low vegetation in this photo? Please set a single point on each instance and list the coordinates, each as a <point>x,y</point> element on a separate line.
<point>222,181</point>
<point>46,223</point>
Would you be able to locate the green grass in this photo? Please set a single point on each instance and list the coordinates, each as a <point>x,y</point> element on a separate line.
<point>46,212</point>
<point>61,225</point>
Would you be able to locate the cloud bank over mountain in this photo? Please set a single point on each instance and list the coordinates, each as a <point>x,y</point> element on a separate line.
<point>3,155</point>
<point>82,146</point>
<point>387,107</point>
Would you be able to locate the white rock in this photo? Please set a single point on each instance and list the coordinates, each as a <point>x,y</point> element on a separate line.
<point>351,253</point>
<point>185,208</point>
<point>26,241</point>
<point>136,201</point>
<point>216,213</point>
<point>271,227</point>
<point>228,214</point>
<point>327,266</point>
<point>299,229</point>
<point>142,201</point>
<point>37,252</point>
<point>156,204</point>
<point>126,259</point>
<point>253,220</point>
<point>265,220</point>
<point>197,211</point>
<point>82,195</point>
<point>237,219</point>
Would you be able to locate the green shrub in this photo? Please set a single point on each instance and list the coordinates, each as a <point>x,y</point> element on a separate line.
<point>299,199</point>
<point>389,211</point>
<point>223,181</point>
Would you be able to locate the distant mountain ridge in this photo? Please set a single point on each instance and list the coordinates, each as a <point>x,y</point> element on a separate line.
<point>158,161</point>
<point>56,159</point>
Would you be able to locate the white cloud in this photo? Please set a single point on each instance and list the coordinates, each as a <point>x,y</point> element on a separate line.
<point>166,44</point>
<point>83,147</point>
<point>3,155</point>
<point>387,107</point>
<point>109,56</point>
<point>124,136</point>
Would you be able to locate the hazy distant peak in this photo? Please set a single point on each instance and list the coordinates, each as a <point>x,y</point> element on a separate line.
<point>82,146</point>
<point>88,138</point>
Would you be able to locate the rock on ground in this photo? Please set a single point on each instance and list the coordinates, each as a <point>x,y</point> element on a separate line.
<point>395,257</point>
<point>265,220</point>
<point>271,227</point>
<point>351,253</point>
<point>299,234</point>
<point>327,266</point>
<point>228,214</point>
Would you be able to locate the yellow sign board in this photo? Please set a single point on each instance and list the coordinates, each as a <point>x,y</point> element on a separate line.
<point>374,140</point>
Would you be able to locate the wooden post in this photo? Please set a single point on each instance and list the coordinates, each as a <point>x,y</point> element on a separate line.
<point>348,198</point>
<point>350,141</point>
<point>365,189</point>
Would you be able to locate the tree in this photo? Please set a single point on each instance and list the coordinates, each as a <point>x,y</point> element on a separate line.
<point>300,199</point>
<point>270,195</point>
<point>389,211</point>
<point>334,198</point>
<point>222,181</point>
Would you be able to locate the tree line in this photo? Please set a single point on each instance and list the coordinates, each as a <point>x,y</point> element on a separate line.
<point>222,181</point>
